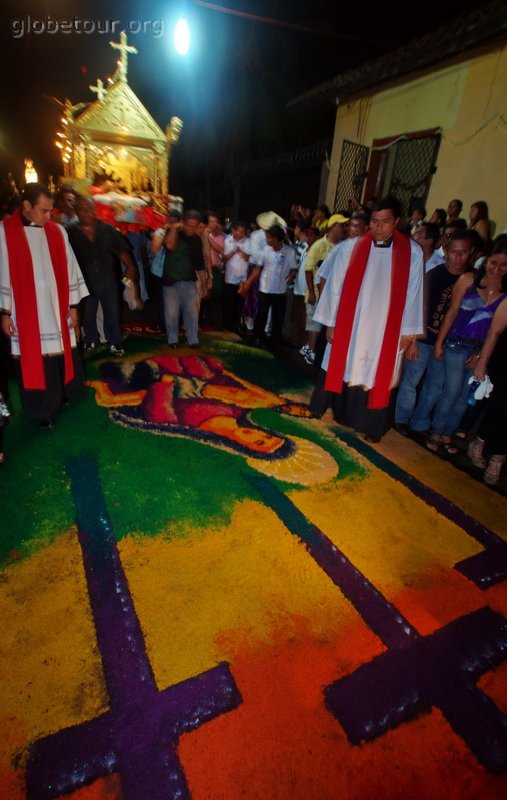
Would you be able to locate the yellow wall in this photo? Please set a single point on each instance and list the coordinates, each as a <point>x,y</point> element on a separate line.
<point>468,100</point>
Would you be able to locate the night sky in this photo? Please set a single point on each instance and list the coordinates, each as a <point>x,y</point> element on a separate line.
<point>230,91</point>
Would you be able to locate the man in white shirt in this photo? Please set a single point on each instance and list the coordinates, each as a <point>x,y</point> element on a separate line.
<point>257,244</point>
<point>236,255</point>
<point>276,270</point>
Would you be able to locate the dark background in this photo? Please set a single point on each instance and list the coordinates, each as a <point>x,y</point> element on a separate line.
<point>231,90</point>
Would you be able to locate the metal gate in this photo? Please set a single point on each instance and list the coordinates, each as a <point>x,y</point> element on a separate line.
<point>412,169</point>
<point>351,175</point>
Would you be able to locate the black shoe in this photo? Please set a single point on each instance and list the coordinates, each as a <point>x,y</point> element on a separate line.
<point>173,346</point>
<point>372,439</point>
<point>47,423</point>
<point>195,346</point>
<point>401,428</point>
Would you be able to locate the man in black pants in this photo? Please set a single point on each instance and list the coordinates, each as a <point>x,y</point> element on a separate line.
<point>277,270</point>
<point>98,246</point>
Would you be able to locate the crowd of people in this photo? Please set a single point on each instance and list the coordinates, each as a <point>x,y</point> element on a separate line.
<point>404,320</point>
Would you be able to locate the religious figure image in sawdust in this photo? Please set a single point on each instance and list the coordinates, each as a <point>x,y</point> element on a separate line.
<point>196,397</point>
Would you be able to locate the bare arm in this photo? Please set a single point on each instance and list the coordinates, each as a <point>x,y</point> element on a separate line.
<point>217,246</point>
<point>498,325</point>
<point>311,287</point>
<point>483,228</point>
<point>171,237</point>
<point>458,293</point>
<point>228,256</point>
<point>156,243</point>
<point>245,286</point>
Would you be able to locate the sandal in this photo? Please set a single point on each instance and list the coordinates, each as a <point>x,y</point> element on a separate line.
<point>448,447</point>
<point>492,474</point>
<point>433,444</point>
<point>475,453</point>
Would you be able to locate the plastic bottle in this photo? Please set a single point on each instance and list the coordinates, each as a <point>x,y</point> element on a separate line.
<point>471,401</point>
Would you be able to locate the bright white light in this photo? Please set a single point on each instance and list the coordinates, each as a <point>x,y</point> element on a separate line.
<point>30,173</point>
<point>182,37</point>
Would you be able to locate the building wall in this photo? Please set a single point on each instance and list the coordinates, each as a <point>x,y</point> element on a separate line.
<point>468,100</point>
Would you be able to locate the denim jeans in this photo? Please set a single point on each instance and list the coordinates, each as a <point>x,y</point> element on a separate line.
<point>181,295</point>
<point>413,371</point>
<point>428,395</point>
<point>452,403</point>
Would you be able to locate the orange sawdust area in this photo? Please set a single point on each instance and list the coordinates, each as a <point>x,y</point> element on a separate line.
<point>247,592</point>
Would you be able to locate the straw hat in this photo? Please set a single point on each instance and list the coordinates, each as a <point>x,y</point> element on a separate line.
<point>269,218</point>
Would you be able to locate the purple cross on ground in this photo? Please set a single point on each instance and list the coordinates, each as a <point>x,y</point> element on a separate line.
<point>139,735</point>
<point>486,568</point>
<point>416,672</point>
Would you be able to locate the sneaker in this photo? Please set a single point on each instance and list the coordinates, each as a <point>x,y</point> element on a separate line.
<point>304,350</point>
<point>310,357</point>
<point>116,351</point>
<point>89,348</point>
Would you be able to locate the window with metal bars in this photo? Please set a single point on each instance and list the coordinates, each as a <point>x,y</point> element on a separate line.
<point>412,168</point>
<point>351,175</point>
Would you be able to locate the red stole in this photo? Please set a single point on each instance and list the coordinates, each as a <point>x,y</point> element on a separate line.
<point>25,297</point>
<point>379,393</point>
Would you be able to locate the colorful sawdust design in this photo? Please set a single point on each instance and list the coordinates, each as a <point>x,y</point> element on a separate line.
<point>199,399</point>
<point>184,626</point>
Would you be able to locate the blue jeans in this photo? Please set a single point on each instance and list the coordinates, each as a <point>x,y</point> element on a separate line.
<point>181,295</point>
<point>407,391</point>
<point>430,392</point>
<point>452,403</point>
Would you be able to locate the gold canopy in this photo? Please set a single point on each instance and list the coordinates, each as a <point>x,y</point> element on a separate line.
<point>116,136</point>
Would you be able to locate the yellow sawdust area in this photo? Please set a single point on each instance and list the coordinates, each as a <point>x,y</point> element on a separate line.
<point>50,668</point>
<point>383,529</point>
<point>246,575</point>
<point>474,498</point>
<point>249,576</point>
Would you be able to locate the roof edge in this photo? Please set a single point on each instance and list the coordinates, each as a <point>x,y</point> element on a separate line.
<point>448,41</point>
